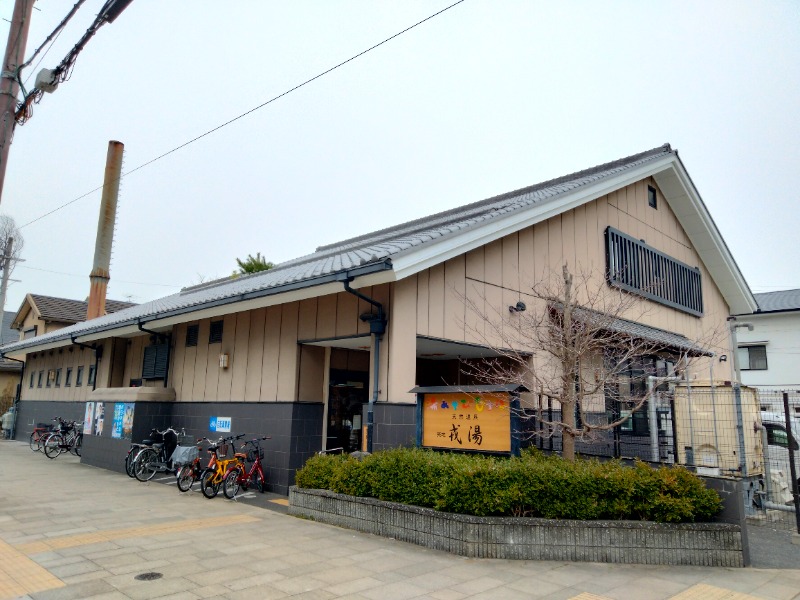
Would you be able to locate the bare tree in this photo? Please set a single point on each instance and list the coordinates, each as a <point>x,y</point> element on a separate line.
<point>9,229</point>
<point>580,346</point>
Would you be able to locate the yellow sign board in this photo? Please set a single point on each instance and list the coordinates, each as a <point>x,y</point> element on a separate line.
<point>462,421</point>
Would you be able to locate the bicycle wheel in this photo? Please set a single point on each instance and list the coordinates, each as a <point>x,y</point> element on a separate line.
<point>185,478</point>
<point>52,445</point>
<point>231,485</point>
<point>143,467</point>
<point>258,483</point>
<point>36,441</point>
<point>207,485</point>
<point>130,460</point>
<point>75,446</point>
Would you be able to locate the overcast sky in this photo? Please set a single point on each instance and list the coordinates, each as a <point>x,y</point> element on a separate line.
<point>488,97</point>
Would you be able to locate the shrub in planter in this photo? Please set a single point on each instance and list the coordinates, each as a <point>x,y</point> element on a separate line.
<point>532,485</point>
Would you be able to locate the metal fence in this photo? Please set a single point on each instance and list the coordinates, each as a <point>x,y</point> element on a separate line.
<point>717,431</point>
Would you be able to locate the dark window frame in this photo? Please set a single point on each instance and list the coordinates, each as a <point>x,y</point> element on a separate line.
<point>155,361</point>
<point>48,381</point>
<point>215,332</point>
<point>79,376</point>
<point>753,363</point>
<point>41,376</point>
<point>68,377</point>
<point>634,266</point>
<point>91,377</point>
<point>652,197</point>
<point>58,378</point>
<point>192,335</point>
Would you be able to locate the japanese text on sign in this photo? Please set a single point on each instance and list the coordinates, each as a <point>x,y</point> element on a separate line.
<point>467,422</point>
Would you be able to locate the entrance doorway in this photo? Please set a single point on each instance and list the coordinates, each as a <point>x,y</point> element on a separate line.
<point>348,393</point>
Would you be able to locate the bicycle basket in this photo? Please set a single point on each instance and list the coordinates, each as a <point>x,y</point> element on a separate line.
<point>184,455</point>
<point>251,454</point>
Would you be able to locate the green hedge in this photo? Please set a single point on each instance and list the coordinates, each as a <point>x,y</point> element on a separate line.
<point>533,485</point>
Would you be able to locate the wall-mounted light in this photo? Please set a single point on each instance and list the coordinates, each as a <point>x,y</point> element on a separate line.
<point>223,361</point>
<point>723,358</point>
<point>518,307</point>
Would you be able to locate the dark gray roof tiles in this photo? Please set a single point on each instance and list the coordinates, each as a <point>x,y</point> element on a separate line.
<point>784,300</point>
<point>370,252</point>
<point>66,310</point>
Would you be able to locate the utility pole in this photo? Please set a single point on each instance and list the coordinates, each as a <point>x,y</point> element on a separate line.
<point>9,86</point>
<point>7,252</point>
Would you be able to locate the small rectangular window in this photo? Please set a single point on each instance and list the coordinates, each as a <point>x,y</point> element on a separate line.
<point>652,199</point>
<point>192,334</point>
<point>41,377</point>
<point>90,380</point>
<point>79,376</point>
<point>753,358</point>
<point>58,377</point>
<point>29,333</point>
<point>68,378</point>
<point>51,376</point>
<point>215,335</point>
<point>33,376</point>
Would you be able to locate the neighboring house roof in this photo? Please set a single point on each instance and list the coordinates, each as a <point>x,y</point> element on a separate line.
<point>784,300</point>
<point>7,335</point>
<point>398,252</point>
<point>61,310</point>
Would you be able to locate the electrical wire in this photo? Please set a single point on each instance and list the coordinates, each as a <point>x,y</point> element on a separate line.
<point>252,110</point>
<point>56,32</point>
<point>177,287</point>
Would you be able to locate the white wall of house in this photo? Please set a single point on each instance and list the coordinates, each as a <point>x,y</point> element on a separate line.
<point>779,335</point>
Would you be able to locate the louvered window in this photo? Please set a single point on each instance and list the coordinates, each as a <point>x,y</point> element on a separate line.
<point>636,267</point>
<point>215,335</point>
<point>192,333</point>
<point>155,361</point>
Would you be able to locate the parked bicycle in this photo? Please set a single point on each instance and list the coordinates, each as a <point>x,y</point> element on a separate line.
<point>41,431</point>
<point>155,458</point>
<point>212,477</point>
<point>66,438</point>
<point>238,477</point>
<point>130,457</point>
<point>187,461</point>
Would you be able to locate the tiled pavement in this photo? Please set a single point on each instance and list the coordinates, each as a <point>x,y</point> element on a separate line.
<point>68,531</point>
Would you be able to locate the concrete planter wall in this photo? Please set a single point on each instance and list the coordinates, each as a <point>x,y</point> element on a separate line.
<point>704,544</point>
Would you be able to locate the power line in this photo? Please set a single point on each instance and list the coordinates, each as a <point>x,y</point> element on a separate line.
<point>118,280</point>
<point>252,110</point>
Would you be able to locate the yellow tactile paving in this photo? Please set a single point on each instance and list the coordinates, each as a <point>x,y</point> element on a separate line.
<point>109,535</point>
<point>281,501</point>
<point>19,575</point>
<point>703,591</point>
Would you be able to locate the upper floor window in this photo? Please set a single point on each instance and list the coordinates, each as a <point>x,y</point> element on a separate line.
<point>215,334</point>
<point>41,376</point>
<point>68,378</point>
<point>753,358</point>
<point>155,362</point>
<point>192,334</point>
<point>652,198</point>
<point>29,333</point>
<point>58,377</point>
<point>636,267</point>
<point>79,376</point>
<point>92,374</point>
<point>33,376</point>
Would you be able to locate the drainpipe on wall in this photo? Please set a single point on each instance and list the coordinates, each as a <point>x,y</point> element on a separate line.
<point>377,327</point>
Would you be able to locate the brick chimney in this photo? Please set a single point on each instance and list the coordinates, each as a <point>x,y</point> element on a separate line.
<point>100,274</point>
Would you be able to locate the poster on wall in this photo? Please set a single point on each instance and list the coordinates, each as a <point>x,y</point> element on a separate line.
<point>88,419</point>
<point>116,423</point>
<point>127,421</point>
<point>99,416</point>
<point>467,422</point>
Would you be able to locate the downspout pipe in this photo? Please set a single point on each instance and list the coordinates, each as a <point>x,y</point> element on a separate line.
<point>377,327</point>
<point>19,392</point>
<point>168,337</point>
<point>97,355</point>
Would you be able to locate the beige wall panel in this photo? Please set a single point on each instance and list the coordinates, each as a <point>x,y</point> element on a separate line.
<point>436,296</point>
<point>582,262</point>
<point>595,245</point>
<point>307,324</point>
<point>474,314</point>
<point>225,380</point>
<point>200,361</point>
<point>272,351</point>
<point>239,356</point>
<point>510,268</point>
<point>526,259</point>
<point>541,251</point>
<point>422,302</point>
<point>211,387</point>
<point>493,262</point>
<point>346,314</point>
<point>326,317</point>
<point>494,315</point>
<point>290,354</point>
<point>568,240</point>
<point>476,264</point>
<point>403,341</point>
<point>312,374</point>
<point>455,298</point>
<point>255,356</point>
<point>554,251</point>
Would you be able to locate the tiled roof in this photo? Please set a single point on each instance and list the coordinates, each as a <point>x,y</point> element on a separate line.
<point>778,301</point>
<point>361,255</point>
<point>65,310</point>
<point>7,335</point>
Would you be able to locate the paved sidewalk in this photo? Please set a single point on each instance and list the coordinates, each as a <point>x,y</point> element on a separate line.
<point>68,531</point>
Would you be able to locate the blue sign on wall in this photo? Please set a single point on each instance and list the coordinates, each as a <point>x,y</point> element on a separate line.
<point>220,424</point>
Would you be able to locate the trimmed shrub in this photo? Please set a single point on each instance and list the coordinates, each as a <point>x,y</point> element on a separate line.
<point>532,485</point>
